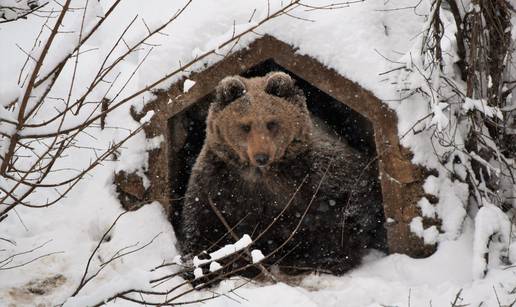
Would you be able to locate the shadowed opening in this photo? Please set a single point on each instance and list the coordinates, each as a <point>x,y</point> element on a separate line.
<point>187,133</point>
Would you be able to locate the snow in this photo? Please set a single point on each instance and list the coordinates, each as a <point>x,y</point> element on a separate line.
<point>481,105</point>
<point>147,117</point>
<point>11,9</point>
<point>198,273</point>
<point>427,209</point>
<point>439,117</point>
<point>491,225</point>
<point>429,235</point>
<point>355,41</point>
<point>188,85</point>
<point>451,205</point>
<point>396,280</point>
<point>177,259</point>
<point>257,255</point>
<point>133,279</point>
<point>155,142</point>
<point>215,266</point>
<point>225,251</point>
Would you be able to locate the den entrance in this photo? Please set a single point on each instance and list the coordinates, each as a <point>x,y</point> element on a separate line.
<point>187,133</point>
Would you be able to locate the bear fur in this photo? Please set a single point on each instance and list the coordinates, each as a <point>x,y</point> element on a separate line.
<point>262,154</point>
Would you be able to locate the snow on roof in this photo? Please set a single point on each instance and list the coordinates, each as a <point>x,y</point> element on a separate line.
<point>356,41</point>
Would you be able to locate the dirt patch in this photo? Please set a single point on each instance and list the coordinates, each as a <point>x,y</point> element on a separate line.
<point>29,292</point>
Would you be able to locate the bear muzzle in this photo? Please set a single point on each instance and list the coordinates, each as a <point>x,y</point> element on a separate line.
<point>260,149</point>
<point>261,159</point>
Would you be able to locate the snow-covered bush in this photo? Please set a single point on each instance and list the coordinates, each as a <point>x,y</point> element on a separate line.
<point>457,78</point>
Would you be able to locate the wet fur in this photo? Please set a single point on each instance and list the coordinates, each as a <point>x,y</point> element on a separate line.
<point>344,218</point>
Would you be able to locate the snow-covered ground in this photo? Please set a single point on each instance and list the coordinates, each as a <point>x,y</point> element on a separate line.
<point>354,40</point>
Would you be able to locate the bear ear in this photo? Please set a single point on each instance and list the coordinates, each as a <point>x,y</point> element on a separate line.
<point>229,89</point>
<point>280,84</point>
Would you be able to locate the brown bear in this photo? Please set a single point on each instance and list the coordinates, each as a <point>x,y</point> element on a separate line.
<point>308,200</point>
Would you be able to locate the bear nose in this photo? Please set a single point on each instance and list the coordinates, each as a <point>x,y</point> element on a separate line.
<point>261,159</point>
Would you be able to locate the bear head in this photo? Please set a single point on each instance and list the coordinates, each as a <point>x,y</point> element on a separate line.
<point>258,121</point>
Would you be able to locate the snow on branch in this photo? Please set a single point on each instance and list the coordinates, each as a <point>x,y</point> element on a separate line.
<point>153,287</point>
<point>225,251</point>
<point>482,106</point>
<point>13,10</point>
<point>491,225</point>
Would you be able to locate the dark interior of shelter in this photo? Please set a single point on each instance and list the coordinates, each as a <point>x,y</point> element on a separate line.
<point>187,131</point>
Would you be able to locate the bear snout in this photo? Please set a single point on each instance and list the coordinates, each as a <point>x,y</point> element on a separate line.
<point>260,149</point>
<point>261,159</point>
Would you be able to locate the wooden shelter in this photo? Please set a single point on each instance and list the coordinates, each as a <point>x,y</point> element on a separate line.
<point>179,118</point>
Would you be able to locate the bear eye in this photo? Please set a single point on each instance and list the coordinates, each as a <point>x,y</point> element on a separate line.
<point>245,127</point>
<point>272,125</point>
